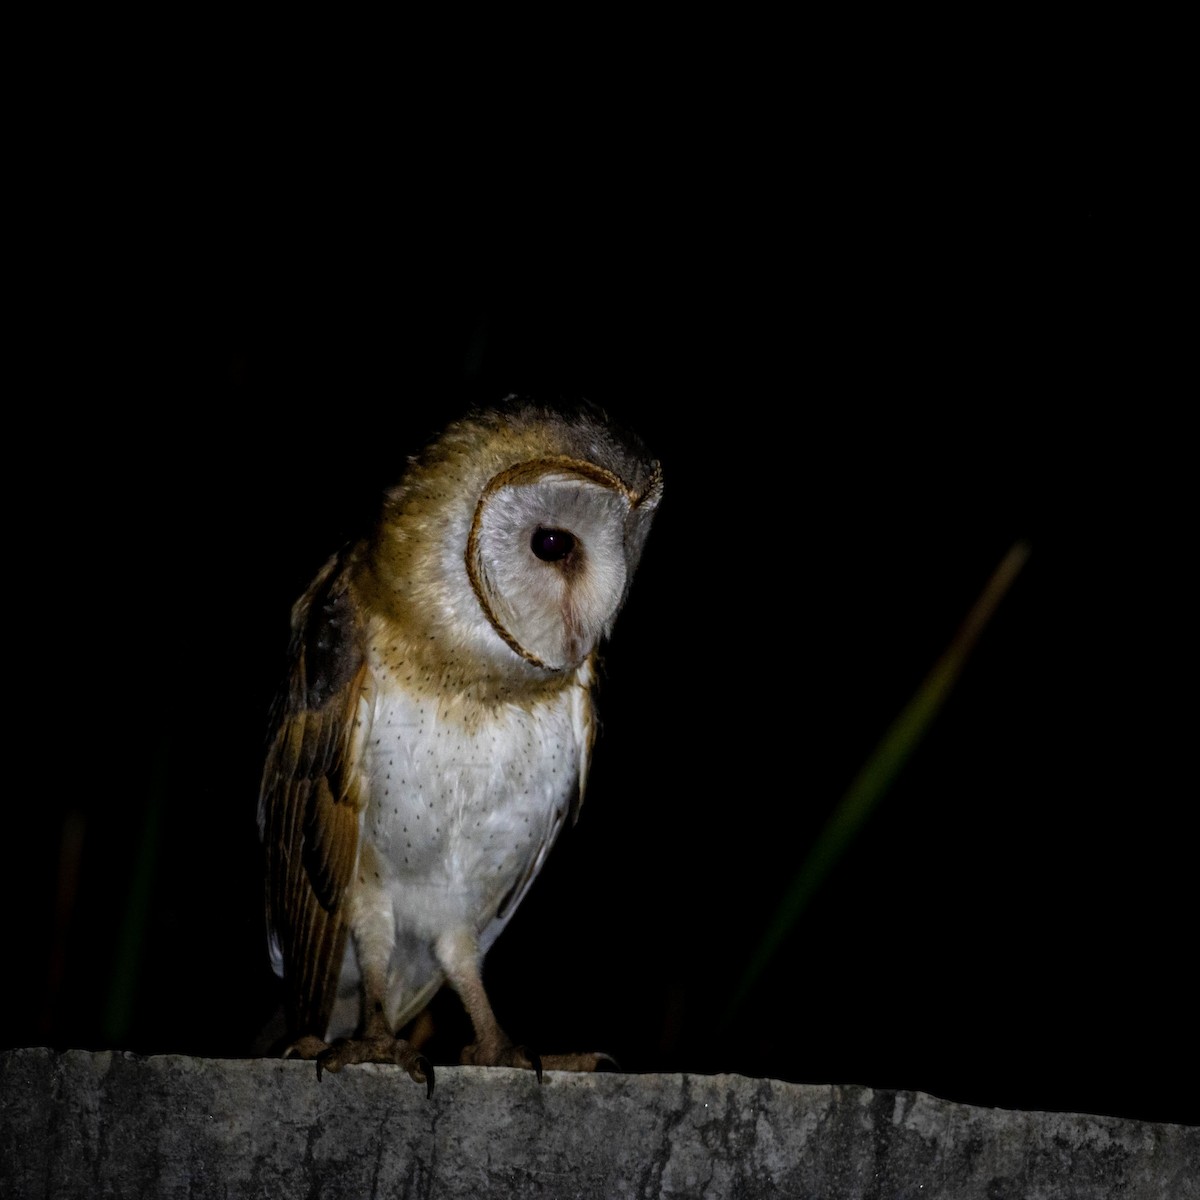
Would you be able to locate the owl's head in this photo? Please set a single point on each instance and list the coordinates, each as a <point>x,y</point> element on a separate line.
<point>543,514</point>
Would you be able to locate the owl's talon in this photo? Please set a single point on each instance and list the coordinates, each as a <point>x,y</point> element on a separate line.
<point>420,1070</point>
<point>535,1060</point>
<point>328,1059</point>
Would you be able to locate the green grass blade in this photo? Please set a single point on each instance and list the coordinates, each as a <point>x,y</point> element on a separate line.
<point>880,769</point>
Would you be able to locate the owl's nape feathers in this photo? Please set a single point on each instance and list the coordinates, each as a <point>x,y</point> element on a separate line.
<point>436,726</point>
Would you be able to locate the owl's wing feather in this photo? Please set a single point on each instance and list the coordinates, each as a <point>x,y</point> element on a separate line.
<point>312,797</point>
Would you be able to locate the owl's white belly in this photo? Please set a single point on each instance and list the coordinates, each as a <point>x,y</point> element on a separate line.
<point>460,814</point>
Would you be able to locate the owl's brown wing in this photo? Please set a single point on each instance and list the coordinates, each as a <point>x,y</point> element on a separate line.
<point>312,797</point>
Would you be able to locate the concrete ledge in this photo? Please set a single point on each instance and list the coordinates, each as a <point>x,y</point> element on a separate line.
<point>115,1124</point>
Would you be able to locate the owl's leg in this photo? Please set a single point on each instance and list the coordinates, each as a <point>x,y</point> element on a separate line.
<point>373,929</point>
<point>458,953</point>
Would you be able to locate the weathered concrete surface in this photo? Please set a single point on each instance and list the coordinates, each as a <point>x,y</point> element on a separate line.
<point>112,1124</point>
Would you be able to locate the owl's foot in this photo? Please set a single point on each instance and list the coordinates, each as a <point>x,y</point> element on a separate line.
<point>460,957</point>
<point>305,1047</point>
<point>503,1055</point>
<point>580,1062</point>
<point>507,1055</point>
<point>379,1049</point>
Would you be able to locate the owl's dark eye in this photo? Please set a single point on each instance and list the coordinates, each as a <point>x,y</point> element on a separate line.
<point>552,545</point>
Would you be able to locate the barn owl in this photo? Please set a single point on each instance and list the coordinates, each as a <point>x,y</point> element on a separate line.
<point>436,727</point>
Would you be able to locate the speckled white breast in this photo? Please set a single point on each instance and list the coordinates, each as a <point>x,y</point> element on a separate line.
<point>458,809</point>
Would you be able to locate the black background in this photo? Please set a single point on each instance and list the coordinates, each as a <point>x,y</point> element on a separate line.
<point>872,348</point>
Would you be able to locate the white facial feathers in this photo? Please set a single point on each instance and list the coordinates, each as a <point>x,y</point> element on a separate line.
<point>549,562</point>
